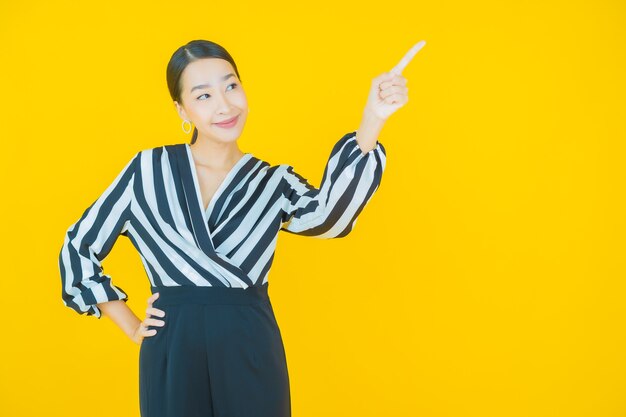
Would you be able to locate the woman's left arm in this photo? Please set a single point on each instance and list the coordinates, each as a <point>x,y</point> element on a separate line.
<point>350,179</point>
<point>354,169</point>
<point>387,94</point>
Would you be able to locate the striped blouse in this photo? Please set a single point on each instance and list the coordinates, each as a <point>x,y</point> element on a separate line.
<point>155,201</point>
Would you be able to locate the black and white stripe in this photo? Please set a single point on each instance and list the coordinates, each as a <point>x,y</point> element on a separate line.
<point>155,201</point>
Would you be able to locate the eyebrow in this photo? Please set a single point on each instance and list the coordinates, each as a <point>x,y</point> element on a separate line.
<point>207,85</point>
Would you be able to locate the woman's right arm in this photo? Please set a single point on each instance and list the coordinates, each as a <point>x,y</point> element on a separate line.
<point>89,240</point>
<point>119,312</point>
<point>86,289</point>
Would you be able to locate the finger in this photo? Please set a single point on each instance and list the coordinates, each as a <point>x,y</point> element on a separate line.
<point>153,297</point>
<point>395,98</point>
<point>383,94</point>
<point>407,58</point>
<point>153,311</point>
<point>154,322</point>
<point>397,80</point>
<point>143,329</point>
<point>150,332</point>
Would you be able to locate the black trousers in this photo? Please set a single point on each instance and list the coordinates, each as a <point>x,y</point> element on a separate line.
<point>219,354</point>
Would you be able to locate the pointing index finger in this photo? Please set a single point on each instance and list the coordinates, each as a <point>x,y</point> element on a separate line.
<point>407,57</point>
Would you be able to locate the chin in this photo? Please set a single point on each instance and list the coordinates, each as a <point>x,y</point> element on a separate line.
<point>226,135</point>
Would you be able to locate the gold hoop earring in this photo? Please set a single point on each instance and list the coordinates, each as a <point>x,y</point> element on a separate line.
<point>183,126</point>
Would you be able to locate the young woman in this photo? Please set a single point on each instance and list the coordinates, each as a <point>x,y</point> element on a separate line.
<point>204,218</point>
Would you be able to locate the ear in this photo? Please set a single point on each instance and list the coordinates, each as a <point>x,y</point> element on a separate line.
<point>181,111</point>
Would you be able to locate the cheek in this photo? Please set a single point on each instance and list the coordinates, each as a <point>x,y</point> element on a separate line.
<point>202,109</point>
<point>240,100</point>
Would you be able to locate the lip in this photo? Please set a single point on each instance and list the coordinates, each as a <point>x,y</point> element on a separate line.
<point>228,123</point>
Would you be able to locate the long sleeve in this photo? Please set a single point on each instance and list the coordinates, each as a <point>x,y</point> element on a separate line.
<point>350,179</point>
<point>90,239</point>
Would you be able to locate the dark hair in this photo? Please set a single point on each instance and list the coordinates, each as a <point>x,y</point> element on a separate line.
<point>186,54</point>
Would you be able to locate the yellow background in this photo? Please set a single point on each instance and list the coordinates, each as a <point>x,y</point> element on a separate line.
<point>485,277</point>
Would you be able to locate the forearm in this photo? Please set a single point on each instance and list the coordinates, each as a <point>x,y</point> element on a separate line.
<point>119,312</point>
<point>368,131</point>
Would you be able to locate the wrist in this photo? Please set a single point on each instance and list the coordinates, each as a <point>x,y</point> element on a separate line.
<point>368,131</point>
<point>372,120</point>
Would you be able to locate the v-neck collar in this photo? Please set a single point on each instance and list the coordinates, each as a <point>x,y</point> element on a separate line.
<point>197,216</point>
<point>220,189</point>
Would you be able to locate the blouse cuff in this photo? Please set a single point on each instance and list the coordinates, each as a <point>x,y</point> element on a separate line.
<point>97,292</point>
<point>379,148</point>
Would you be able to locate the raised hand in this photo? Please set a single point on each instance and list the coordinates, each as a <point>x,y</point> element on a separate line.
<point>389,91</point>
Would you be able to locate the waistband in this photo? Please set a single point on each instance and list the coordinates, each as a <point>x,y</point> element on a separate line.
<point>190,294</point>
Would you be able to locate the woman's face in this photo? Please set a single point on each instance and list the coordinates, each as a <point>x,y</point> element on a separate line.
<point>211,93</point>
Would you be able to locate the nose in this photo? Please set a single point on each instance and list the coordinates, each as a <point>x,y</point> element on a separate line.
<point>223,105</point>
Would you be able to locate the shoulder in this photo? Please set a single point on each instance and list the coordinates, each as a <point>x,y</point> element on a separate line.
<point>161,148</point>
<point>151,155</point>
<point>153,151</point>
<point>273,170</point>
<point>262,167</point>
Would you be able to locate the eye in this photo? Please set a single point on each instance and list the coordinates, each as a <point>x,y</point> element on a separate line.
<point>206,94</point>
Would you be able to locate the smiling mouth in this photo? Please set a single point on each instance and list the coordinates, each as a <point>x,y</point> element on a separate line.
<point>225,122</point>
